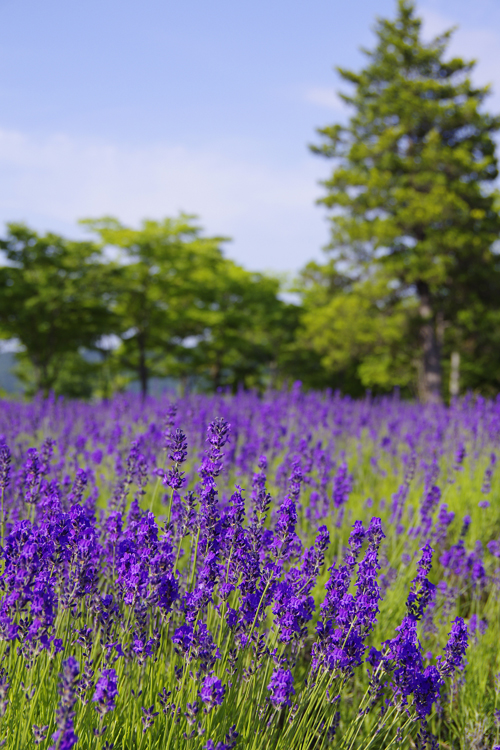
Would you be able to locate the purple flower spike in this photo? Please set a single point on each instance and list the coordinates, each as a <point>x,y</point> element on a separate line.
<point>466,522</point>
<point>217,437</point>
<point>422,590</point>
<point>486,487</point>
<point>178,447</point>
<point>425,563</point>
<point>31,476</point>
<point>455,649</point>
<point>356,537</point>
<point>296,479</point>
<point>218,433</point>
<point>65,737</point>
<point>342,485</point>
<point>281,688</point>
<point>148,718</point>
<point>212,692</point>
<point>106,691</point>
<point>4,467</point>
<point>229,744</point>
<point>375,533</point>
<point>177,453</point>
<point>285,528</point>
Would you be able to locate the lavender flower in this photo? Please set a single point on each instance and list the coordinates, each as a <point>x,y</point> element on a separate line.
<point>430,502</point>
<point>212,692</point>
<point>454,653</point>
<point>65,737</point>
<point>5,458</point>
<point>422,590</point>
<point>342,485</point>
<point>177,453</point>
<point>31,477</point>
<point>285,527</point>
<point>486,486</point>
<point>148,718</point>
<point>460,455</point>
<point>444,519</point>
<point>281,688</point>
<point>228,744</point>
<point>196,643</point>
<point>106,692</point>
<point>296,479</point>
<point>39,734</point>
<point>4,692</point>
<point>217,436</point>
<point>4,483</point>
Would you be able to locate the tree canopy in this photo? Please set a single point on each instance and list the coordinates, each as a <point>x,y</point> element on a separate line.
<point>412,208</point>
<point>162,292</point>
<point>55,300</point>
<point>187,311</point>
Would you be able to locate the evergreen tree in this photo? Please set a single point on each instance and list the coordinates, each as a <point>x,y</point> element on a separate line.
<point>411,192</point>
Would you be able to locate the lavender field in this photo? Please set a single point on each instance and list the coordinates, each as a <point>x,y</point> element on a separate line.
<point>297,571</point>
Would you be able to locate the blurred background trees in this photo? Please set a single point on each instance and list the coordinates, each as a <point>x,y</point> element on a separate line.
<point>410,283</point>
<point>158,302</point>
<point>161,294</point>
<point>55,300</point>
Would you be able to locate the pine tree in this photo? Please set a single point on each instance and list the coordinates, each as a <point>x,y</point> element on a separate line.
<point>411,192</point>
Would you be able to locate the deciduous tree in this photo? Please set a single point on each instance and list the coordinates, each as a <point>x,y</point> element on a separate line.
<point>163,291</point>
<point>54,298</point>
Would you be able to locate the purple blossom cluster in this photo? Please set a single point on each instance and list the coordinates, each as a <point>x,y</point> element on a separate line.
<point>181,563</point>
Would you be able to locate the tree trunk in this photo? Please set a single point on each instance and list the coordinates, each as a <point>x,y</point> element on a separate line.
<point>454,374</point>
<point>216,373</point>
<point>42,379</point>
<point>431,376</point>
<point>143,368</point>
<point>104,374</point>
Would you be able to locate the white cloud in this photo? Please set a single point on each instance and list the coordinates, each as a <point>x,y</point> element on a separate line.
<point>325,97</point>
<point>268,210</point>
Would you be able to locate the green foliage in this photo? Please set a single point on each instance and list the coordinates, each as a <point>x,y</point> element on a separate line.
<point>55,301</point>
<point>73,375</point>
<point>411,211</point>
<point>187,311</point>
<point>244,329</point>
<point>476,335</point>
<point>177,307</point>
<point>162,290</point>
<point>358,327</point>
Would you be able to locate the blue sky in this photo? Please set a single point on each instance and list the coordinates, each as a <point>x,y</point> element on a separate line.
<point>146,108</point>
